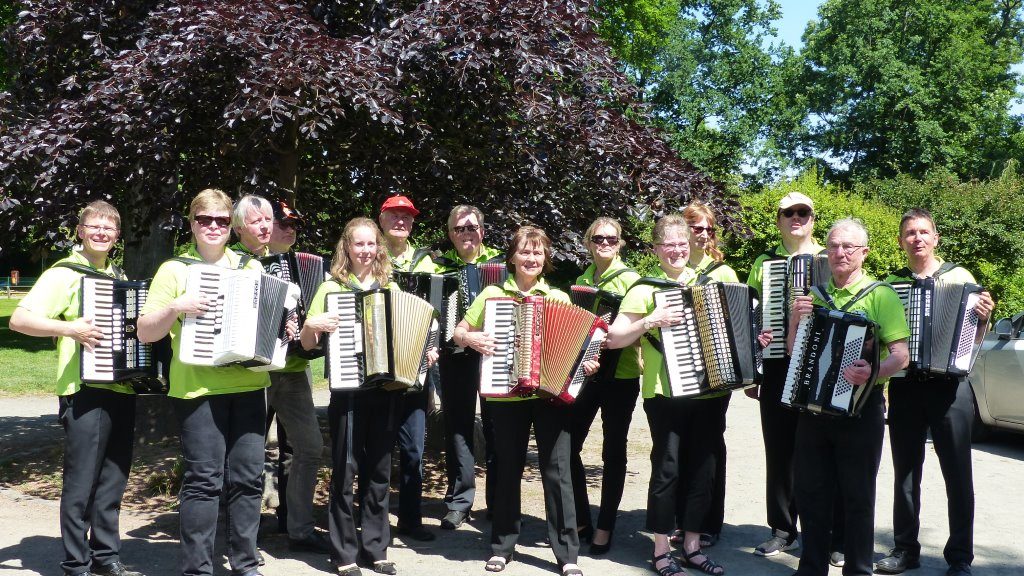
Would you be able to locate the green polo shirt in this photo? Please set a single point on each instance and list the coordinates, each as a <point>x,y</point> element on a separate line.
<point>239,248</point>
<point>629,360</point>
<point>188,380</point>
<point>959,275</point>
<point>754,279</point>
<point>880,305</point>
<point>486,253</point>
<point>331,286</point>
<point>402,262</point>
<point>640,300</point>
<point>475,314</point>
<point>55,295</point>
<point>723,273</point>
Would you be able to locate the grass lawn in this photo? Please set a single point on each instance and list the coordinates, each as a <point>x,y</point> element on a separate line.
<point>27,365</point>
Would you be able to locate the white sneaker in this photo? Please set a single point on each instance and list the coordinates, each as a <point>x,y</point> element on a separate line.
<point>779,542</point>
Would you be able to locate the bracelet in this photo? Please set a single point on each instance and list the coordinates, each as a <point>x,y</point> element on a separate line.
<point>647,324</point>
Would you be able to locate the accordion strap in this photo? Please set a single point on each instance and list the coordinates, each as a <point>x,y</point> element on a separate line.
<point>612,276</point>
<point>705,275</point>
<point>821,292</point>
<point>92,272</point>
<point>245,258</point>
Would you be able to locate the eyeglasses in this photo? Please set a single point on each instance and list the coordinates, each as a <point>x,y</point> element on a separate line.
<point>847,249</point>
<point>609,240</point>
<point>676,247</point>
<point>293,224</point>
<point>207,220</point>
<point>467,228</point>
<point>94,228</point>
<point>801,212</point>
<point>702,229</point>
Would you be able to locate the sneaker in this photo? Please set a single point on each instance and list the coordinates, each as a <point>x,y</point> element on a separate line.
<point>959,569</point>
<point>779,542</point>
<point>837,559</point>
<point>897,562</point>
<point>314,542</point>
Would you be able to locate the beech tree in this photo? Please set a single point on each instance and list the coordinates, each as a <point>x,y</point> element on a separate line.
<point>516,107</point>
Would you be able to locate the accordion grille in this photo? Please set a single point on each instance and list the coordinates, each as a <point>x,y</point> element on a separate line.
<point>713,323</point>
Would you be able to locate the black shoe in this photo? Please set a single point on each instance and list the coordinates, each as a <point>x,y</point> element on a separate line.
<point>959,569</point>
<point>115,568</point>
<point>385,567</point>
<point>599,549</point>
<point>586,534</point>
<point>455,518</point>
<point>419,533</point>
<point>260,560</point>
<point>897,561</point>
<point>314,542</point>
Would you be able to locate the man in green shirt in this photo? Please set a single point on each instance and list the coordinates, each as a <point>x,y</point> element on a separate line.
<point>846,452</point>
<point>460,377</point>
<point>98,419</point>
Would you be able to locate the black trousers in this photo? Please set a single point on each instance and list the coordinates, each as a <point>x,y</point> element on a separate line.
<point>683,446</point>
<point>411,438</point>
<point>363,426</point>
<point>715,517</point>
<point>839,454</point>
<point>778,429</point>
<point>615,398</point>
<point>945,407</point>
<point>460,382</point>
<point>550,423</point>
<point>99,428</point>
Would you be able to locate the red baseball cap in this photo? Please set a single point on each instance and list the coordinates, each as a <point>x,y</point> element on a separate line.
<point>396,202</point>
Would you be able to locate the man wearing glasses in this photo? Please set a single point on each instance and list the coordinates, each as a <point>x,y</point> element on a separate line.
<point>460,377</point>
<point>846,452</point>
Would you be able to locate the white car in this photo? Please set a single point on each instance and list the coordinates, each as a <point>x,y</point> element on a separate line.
<point>998,379</point>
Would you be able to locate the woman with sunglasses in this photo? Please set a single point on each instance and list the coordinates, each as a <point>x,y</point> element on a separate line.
<point>221,410</point>
<point>364,424</point>
<point>529,256</point>
<point>613,391</point>
<point>683,430</point>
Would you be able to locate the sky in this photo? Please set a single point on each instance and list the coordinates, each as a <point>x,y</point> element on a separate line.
<point>795,15</point>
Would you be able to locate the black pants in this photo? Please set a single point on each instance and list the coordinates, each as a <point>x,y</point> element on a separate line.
<point>99,428</point>
<point>778,429</point>
<point>615,398</point>
<point>363,426</point>
<point>715,517</point>
<point>683,445</point>
<point>411,437</point>
<point>946,408</point>
<point>222,439</point>
<point>843,454</point>
<point>551,429</point>
<point>460,382</point>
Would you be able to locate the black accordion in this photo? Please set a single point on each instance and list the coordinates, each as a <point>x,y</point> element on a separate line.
<point>381,340</point>
<point>114,306</point>
<point>601,302</point>
<point>945,332</point>
<point>782,280</point>
<point>827,342</point>
<point>473,278</point>
<point>246,323</point>
<point>306,271</point>
<point>715,347</point>
<point>442,291</point>
<point>541,346</point>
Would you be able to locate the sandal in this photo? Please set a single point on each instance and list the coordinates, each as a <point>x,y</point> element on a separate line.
<point>676,538</point>
<point>708,540</point>
<point>671,569</point>
<point>708,566</point>
<point>571,570</point>
<point>497,563</point>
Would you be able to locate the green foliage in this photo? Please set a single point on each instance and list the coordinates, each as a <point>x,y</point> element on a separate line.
<point>897,87</point>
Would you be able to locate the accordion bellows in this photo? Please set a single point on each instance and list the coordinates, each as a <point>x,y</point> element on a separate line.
<point>381,340</point>
<point>246,322</point>
<point>541,346</point>
<point>945,332</point>
<point>306,271</point>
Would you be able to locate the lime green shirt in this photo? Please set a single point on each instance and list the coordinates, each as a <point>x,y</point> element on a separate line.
<point>188,380</point>
<point>881,305</point>
<point>56,295</point>
<point>959,274</point>
<point>629,360</point>
<point>402,262</point>
<point>723,273</point>
<point>640,300</point>
<point>755,280</point>
<point>319,303</point>
<point>486,253</point>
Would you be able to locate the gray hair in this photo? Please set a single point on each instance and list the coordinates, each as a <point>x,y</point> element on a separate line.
<point>246,203</point>
<point>850,224</point>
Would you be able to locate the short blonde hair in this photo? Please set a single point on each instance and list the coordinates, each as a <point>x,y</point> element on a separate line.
<point>250,202</point>
<point>597,223</point>
<point>209,199</point>
<point>341,266</point>
<point>461,209</point>
<point>675,220</point>
<point>100,209</point>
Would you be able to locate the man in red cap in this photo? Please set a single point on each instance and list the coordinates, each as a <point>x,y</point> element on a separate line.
<point>397,216</point>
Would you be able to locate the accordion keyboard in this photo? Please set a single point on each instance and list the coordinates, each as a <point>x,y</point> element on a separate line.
<point>114,306</point>
<point>773,307</point>
<point>345,344</point>
<point>497,370</point>
<point>682,345</point>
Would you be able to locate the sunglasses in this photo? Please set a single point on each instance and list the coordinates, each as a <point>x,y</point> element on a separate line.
<point>467,228</point>
<point>801,212</point>
<point>207,220</point>
<point>610,240</point>
<point>702,229</point>
<point>293,224</point>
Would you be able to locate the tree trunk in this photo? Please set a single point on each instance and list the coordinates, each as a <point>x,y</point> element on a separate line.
<point>288,165</point>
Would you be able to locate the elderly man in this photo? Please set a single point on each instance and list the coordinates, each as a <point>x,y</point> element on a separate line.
<point>252,219</point>
<point>844,453</point>
<point>923,401</point>
<point>460,376</point>
<point>397,216</point>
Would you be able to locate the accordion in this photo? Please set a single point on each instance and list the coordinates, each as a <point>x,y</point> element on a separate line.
<point>782,281</point>
<point>305,270</point>
<point>827,341</point>
<point>601,302</point>
<point>541,346</point>
<point>715,347</point>
<point>945,332</point>
<point>246,322</point>
<point>114,306</point>
<point>441,291</point>
<point>473,278</point>
<point>381,340</point>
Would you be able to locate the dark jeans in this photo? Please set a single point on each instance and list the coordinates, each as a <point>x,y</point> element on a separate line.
<point>99,428</point>
<point>411,436</point>
<point>550,422</point>
<point>460,382</point>
<point>615,398</point>
<point>222,438</point>
<point>364,426</point>
<point>844,454</point>
<point>946,408</point>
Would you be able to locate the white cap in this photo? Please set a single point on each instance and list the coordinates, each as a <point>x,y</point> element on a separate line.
<point>795,199</point>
